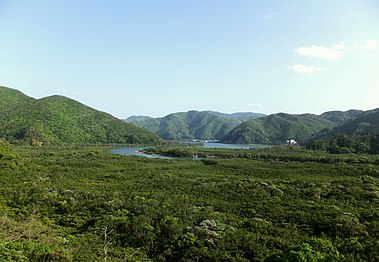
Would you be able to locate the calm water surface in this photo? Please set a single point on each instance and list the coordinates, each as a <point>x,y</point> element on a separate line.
<point>136,151</point>
<point>235,146</point>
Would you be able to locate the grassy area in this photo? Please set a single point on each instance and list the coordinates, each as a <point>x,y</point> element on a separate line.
<point>59,203</point>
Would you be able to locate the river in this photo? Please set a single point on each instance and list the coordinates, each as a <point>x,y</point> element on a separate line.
<point>136,151</point>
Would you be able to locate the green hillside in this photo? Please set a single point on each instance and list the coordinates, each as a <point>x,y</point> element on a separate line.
<point>206,125</point>
<point>277,129</point>
<point>339,117</point>
<point>366,123</point>
<point>58,119</point>
<point>134,119</point>
<point>359,135</point>
<point>239,116</point>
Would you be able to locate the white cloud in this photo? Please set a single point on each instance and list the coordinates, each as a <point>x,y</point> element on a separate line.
<point>255,105</point>
<point>269,16</point>
<point>370,45</point>
<point>306,70</point>
<point>335,52</point>
<point>318,51</point>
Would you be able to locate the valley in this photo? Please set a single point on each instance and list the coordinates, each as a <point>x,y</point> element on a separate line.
<point>73,187</point>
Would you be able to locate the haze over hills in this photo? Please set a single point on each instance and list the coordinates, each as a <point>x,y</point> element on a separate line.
<point>58,119</point>
<point>239,116</point>
<point>204,125</point>
<point>134,119</point>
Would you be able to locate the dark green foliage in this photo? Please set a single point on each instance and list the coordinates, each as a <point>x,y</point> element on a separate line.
<point>206,125</point>
<point>9,160</point>
<point>288,153</point>
<point>317,250</point>
<point>358,135</point>
<point>57,119</point>
<point>277,129</point>
<point>280,205</point>
<point>209,162</point>
<point>4,151</point>
<point>342,144</point>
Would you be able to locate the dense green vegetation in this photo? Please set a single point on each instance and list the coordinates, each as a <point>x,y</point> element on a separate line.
<point>277,153</point>
<point>57,119</point>
<point>83,204</point>
<point>277,129</point>
<point>64,202</point>
<point>357,135</point>
<point>338,144</point>
<point>206,125</point>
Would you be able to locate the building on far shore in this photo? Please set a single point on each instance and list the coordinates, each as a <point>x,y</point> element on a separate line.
<point>291,142</point>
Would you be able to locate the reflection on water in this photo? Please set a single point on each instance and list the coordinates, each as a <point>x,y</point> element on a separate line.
<point>136,151</point>
<point>234,146</point>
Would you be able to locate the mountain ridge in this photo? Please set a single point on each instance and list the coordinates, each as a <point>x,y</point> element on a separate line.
<point>339,117</point>
<point>364,123</point>
<point>193,124</point>
<point>57,119</point>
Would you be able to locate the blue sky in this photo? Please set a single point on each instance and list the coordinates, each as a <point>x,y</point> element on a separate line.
<point>155,57</point>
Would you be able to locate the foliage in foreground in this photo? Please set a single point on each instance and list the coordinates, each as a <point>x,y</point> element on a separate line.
<point>81,204</point>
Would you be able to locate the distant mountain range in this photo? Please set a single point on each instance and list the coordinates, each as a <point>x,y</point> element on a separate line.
<point>253,128</point>
<point>203,125</point>
<point>58,119</point>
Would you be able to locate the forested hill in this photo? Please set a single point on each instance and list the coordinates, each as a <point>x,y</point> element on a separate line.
<point>358,135</point>
<point>277,129</point>
<point>134,119</point>
<point>365,123</point>
<point>58,119</point>
<point>239,116</point>
<point>205,125</point>
<point>339,117</point>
